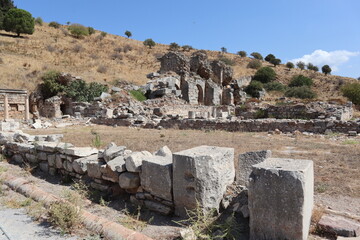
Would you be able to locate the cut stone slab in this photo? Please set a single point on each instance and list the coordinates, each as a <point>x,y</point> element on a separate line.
<point>128,180</point>
<point>108,174</point>
<point>200,177</point>
<point>157,207</point>
<point>281,195</point>
<point>339,226</point>
<point>80,151</point>
<point>80,165</point>
<point>156,176</point>
<point>93,168</point>
<point>134,160</point>
<point>113,151</point>
<point>245,163</point>
<point>117,164</point>
<point>164,152</point>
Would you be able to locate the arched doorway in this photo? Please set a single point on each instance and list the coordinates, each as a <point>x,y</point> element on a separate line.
<point>200,94</point>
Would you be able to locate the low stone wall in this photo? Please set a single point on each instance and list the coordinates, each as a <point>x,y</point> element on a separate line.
<point>258,125</point>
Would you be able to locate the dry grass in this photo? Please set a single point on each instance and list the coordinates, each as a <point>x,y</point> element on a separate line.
<point>25,59</point>
<point>336,164</point>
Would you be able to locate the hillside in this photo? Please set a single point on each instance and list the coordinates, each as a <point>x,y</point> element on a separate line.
<point>110,58</point>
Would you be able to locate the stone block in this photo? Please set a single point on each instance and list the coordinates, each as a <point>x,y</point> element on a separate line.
<point>42,156</point>
<point>245,163</point>
<point>112,151</point>
<point>331,224</point>
<point>51,159</point>
<point>117,164</point>
<point>17,158</point>
<point>31,158</point>
<point>108,174</point>
<point>200,176</point>
<point>164,152</point>
<point>80,151</point>
<point>44,166</point>
<point>93,168</point>
<point>128,180</point>
<point>156,176</point>
<point>157,207</point>
<point>134,161</point>
<point>58,161</point>
<point>68,166</point>
<point>281,195</point>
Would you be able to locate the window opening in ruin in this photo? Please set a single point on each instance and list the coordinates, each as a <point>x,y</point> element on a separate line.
<point>200,94</point>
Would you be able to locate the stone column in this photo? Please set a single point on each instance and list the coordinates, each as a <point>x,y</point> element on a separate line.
<point>27,114</point>
<point>6,107</point>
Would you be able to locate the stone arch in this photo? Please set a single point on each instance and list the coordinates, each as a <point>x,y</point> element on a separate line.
<point>200,94</point>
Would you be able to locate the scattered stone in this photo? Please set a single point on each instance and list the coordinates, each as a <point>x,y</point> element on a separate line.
<point>200,177</point>
<point>164,152</point>
<point>112,151</point>
<point>117,164</point>
<point>279,190</point>
<point>352,133</point>
<point>80,151</point>
<point>339,226</point>
<point>158,207</point>
<point>134,160</point>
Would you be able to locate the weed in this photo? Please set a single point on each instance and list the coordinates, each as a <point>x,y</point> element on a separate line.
<point>321,188</point>
<point>97,140</point>
<point>73,197</point>
<point>103,203</point>
<point>138,95</point>
<point>14,203</point>
<point>36,210</point>
<point>3,169</point>
<point>102,69</point>
<point>93,237</point>
<point>64,215</point>
<point>350,142</point>
<point>231,229</point>
<point>133,220</point>
<point>317,213</point>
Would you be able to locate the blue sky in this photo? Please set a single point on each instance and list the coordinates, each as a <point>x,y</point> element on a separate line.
<point>317,31</point>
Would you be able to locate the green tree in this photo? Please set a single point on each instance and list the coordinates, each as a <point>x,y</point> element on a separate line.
<point>290,65</point>
<point>326,69</point>
<point>224,50</point>
<point>302,92</point>
<point>91,30</point>
<point>242,53</point>
<point>78,30</point>
<point>50,86</point>
<point>254,88</point>
<point>300,80</point>
<point>174,46</point>
<point>265,75</point>
<point>275,61</point>
<point>300,65</point>
<point>19,21</point>
<point>5,6</point>
<point>149,43</point>
<point>352,92</point>
<point>256,55</point>
<point>128,33</point>
<point>269,57</point>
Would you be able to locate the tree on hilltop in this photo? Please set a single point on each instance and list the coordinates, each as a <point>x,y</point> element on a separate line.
<point>78,30</point>
<point>242,53</point>
<point>128,33</point>
<point>326,69</point>
<point>19,21</point>
<point>300,65</point>
<point>269,57</point>
<point>256,55</point>
<point>290,65</point>
<point>149,43</point>
<point>174,46</point>
<point>275,61</point>
<point>223,50</point>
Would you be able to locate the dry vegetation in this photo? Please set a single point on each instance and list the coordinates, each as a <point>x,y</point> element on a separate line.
<point>110,58</point>
<point>336,161</point>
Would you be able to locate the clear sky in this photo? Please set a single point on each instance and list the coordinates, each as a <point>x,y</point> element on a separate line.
<point>317,31</point>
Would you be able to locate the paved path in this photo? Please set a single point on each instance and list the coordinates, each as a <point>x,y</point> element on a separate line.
<point>16,225</point>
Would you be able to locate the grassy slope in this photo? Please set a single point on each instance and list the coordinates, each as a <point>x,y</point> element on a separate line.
<point>25,59</point>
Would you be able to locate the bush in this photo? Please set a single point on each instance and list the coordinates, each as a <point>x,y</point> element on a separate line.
<point>303,92</point>
<point>91,30</point>
<point>300,80</point>
<point>256,55</point>
<point>80,91</point>
<point>127,48</point>
<point>103,34</point>
<point>326,69</point>
<point>174,46</point>
<point>269,57</point>
<point>54,25</point>
<point>19,21</point>
<point>102,69</point>
<point>265,75</point>
<point>290,65</point>
<point>64,215</point>
<point>352,92</point>
<point>300,65</point>
<point>39,21</point>
<point>224,50</point>
<point>138,95</point>
<point>50,86</point>
<point>275,86</point>
<point>187,48</point>
<point>227,61</point>
<point>149,43</point>
<point>254,64</point>
<point>254,88</point>
<point>242,53</point>
<point>78,30</point>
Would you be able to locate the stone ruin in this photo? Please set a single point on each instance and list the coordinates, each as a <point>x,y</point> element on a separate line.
<point>172,183</point>
<point>198,80</point>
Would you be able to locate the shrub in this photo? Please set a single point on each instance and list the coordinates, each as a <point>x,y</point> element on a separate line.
<point>275,86</point>
<point>300,80</point>
<point>118,49</point>
<point>138,95</point>
<point>227,61</point>
<point>64,215</point>
<point>91,30</point>
<point>54,24</point>
<point>78,48</point>
<point>254,88</point>
<point>311,66</point>
<point>224,50</point>
<point>174,46</point>
<point>352,92</point>
<point>187,48</point>
<point>265,75</point>
<point>275,61</point>
<point>39,21</point>
<point>50,48</point>
<point>269,57</point>
<point>50,86</point>
<point>78,30</point>
<point>103,34</point>
<point>116,55</point>
<point>326,69</point>
<point>242,53</point>
<point>127,48</point>
<point>290,65</point>
<point>80,91</point>
<point>303,92</point>
<point>256,55</point>
<point>254,64</point>
<point>128,33</point>
<point>300,65</point>
<point>149,43</point>
<point>19,21</point>
<point>102,69</point>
